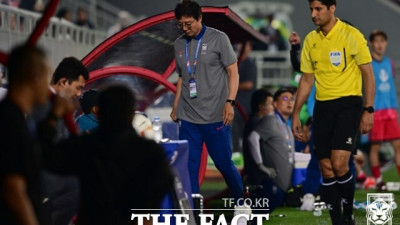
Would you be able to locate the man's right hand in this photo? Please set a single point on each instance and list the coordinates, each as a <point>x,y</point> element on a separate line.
<point>269,171</point>
<point>296,128</point>
<point>294,38</point>
<point>173,115</point>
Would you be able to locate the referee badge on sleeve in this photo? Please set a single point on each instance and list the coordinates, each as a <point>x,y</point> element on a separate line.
<point>335,57</point>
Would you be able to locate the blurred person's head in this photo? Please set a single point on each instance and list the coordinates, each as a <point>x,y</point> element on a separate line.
<point>189,16</point>
<point>69,78</point>
<point>89,102</point>
<point>261,103</point>
<point>116,106</point>
<point>284,101</point>
<point>82,14</point>
<point>124,19</point>
<point>270,18</point>
<point>322,11</point>
<point>378,42</point>
<point>64,13</point>
<point>28,74</point>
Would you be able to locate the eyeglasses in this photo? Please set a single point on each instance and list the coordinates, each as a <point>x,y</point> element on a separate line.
<point>188,25</point>
<point>285,99</point>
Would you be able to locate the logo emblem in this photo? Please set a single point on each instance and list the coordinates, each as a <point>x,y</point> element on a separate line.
<point>204,48</point>
<point>383,75</point>
<point>180,53</point>
<point>335,57</point>
<point>349,141</point>
<point>384,85</point>
<point>379,208</point>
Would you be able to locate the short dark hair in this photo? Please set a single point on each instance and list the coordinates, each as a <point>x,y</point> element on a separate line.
<point>378,33</point>
<point>116,106</point>
<point>88,100</point>
<point>70,68</point>
<point>189,9</point>
<point>22,60</point>
<point>282,90</point>
<point>328,3</point>
<point>258,97</point>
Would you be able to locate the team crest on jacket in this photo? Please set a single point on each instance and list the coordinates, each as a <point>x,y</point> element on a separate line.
<point>204,48</point>
<point>335,57</point>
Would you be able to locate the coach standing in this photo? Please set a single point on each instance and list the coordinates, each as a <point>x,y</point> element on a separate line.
<point>337,55</point>
<point>206,92</point>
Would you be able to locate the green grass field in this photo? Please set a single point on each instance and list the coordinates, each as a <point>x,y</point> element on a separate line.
<point>293,216</point>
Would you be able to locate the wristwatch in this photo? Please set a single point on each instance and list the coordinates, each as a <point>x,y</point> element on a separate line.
<point>369,109</point>
<point>233,102</point>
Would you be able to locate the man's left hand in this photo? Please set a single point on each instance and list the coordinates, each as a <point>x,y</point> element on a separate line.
<point>228,114</point>
<point>367,121</point>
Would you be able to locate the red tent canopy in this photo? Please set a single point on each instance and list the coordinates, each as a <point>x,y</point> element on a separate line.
<point>145,49</point>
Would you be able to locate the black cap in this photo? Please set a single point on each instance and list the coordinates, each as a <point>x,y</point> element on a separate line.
<point>282,90</point>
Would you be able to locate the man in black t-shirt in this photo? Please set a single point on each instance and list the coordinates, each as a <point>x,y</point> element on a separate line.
<point>118,170</point>
<point>20,197</point>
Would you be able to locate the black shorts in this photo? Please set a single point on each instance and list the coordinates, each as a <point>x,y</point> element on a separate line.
<point>337,125</point>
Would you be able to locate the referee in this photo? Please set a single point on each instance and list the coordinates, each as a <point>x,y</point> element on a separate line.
<point>337,56</point>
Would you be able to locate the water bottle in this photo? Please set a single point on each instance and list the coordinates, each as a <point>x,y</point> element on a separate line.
<point>157,128</point>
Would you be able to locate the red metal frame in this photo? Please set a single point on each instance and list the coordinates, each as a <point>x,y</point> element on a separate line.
<point>235,18</point>
<point>155,20</point>
<point>42,24</point>
<point>3,58</point>
<point>132,71</point>
<point>170,69</point>
<point>124,33</point>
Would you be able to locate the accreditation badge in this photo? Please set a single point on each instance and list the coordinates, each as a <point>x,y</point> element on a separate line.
<point>192,88</point>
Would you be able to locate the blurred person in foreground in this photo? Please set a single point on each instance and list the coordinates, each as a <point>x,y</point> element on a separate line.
<point>118,170</point>
<point>339,63</point>
<point>20,154</point>
<point>83,19</point>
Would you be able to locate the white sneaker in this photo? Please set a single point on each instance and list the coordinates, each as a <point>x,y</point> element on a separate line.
<point>308,202</point>
<point>242,209</point>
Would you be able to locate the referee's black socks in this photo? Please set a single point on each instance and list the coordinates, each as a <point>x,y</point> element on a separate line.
<point>332,198</point>
<point>346,189</point>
